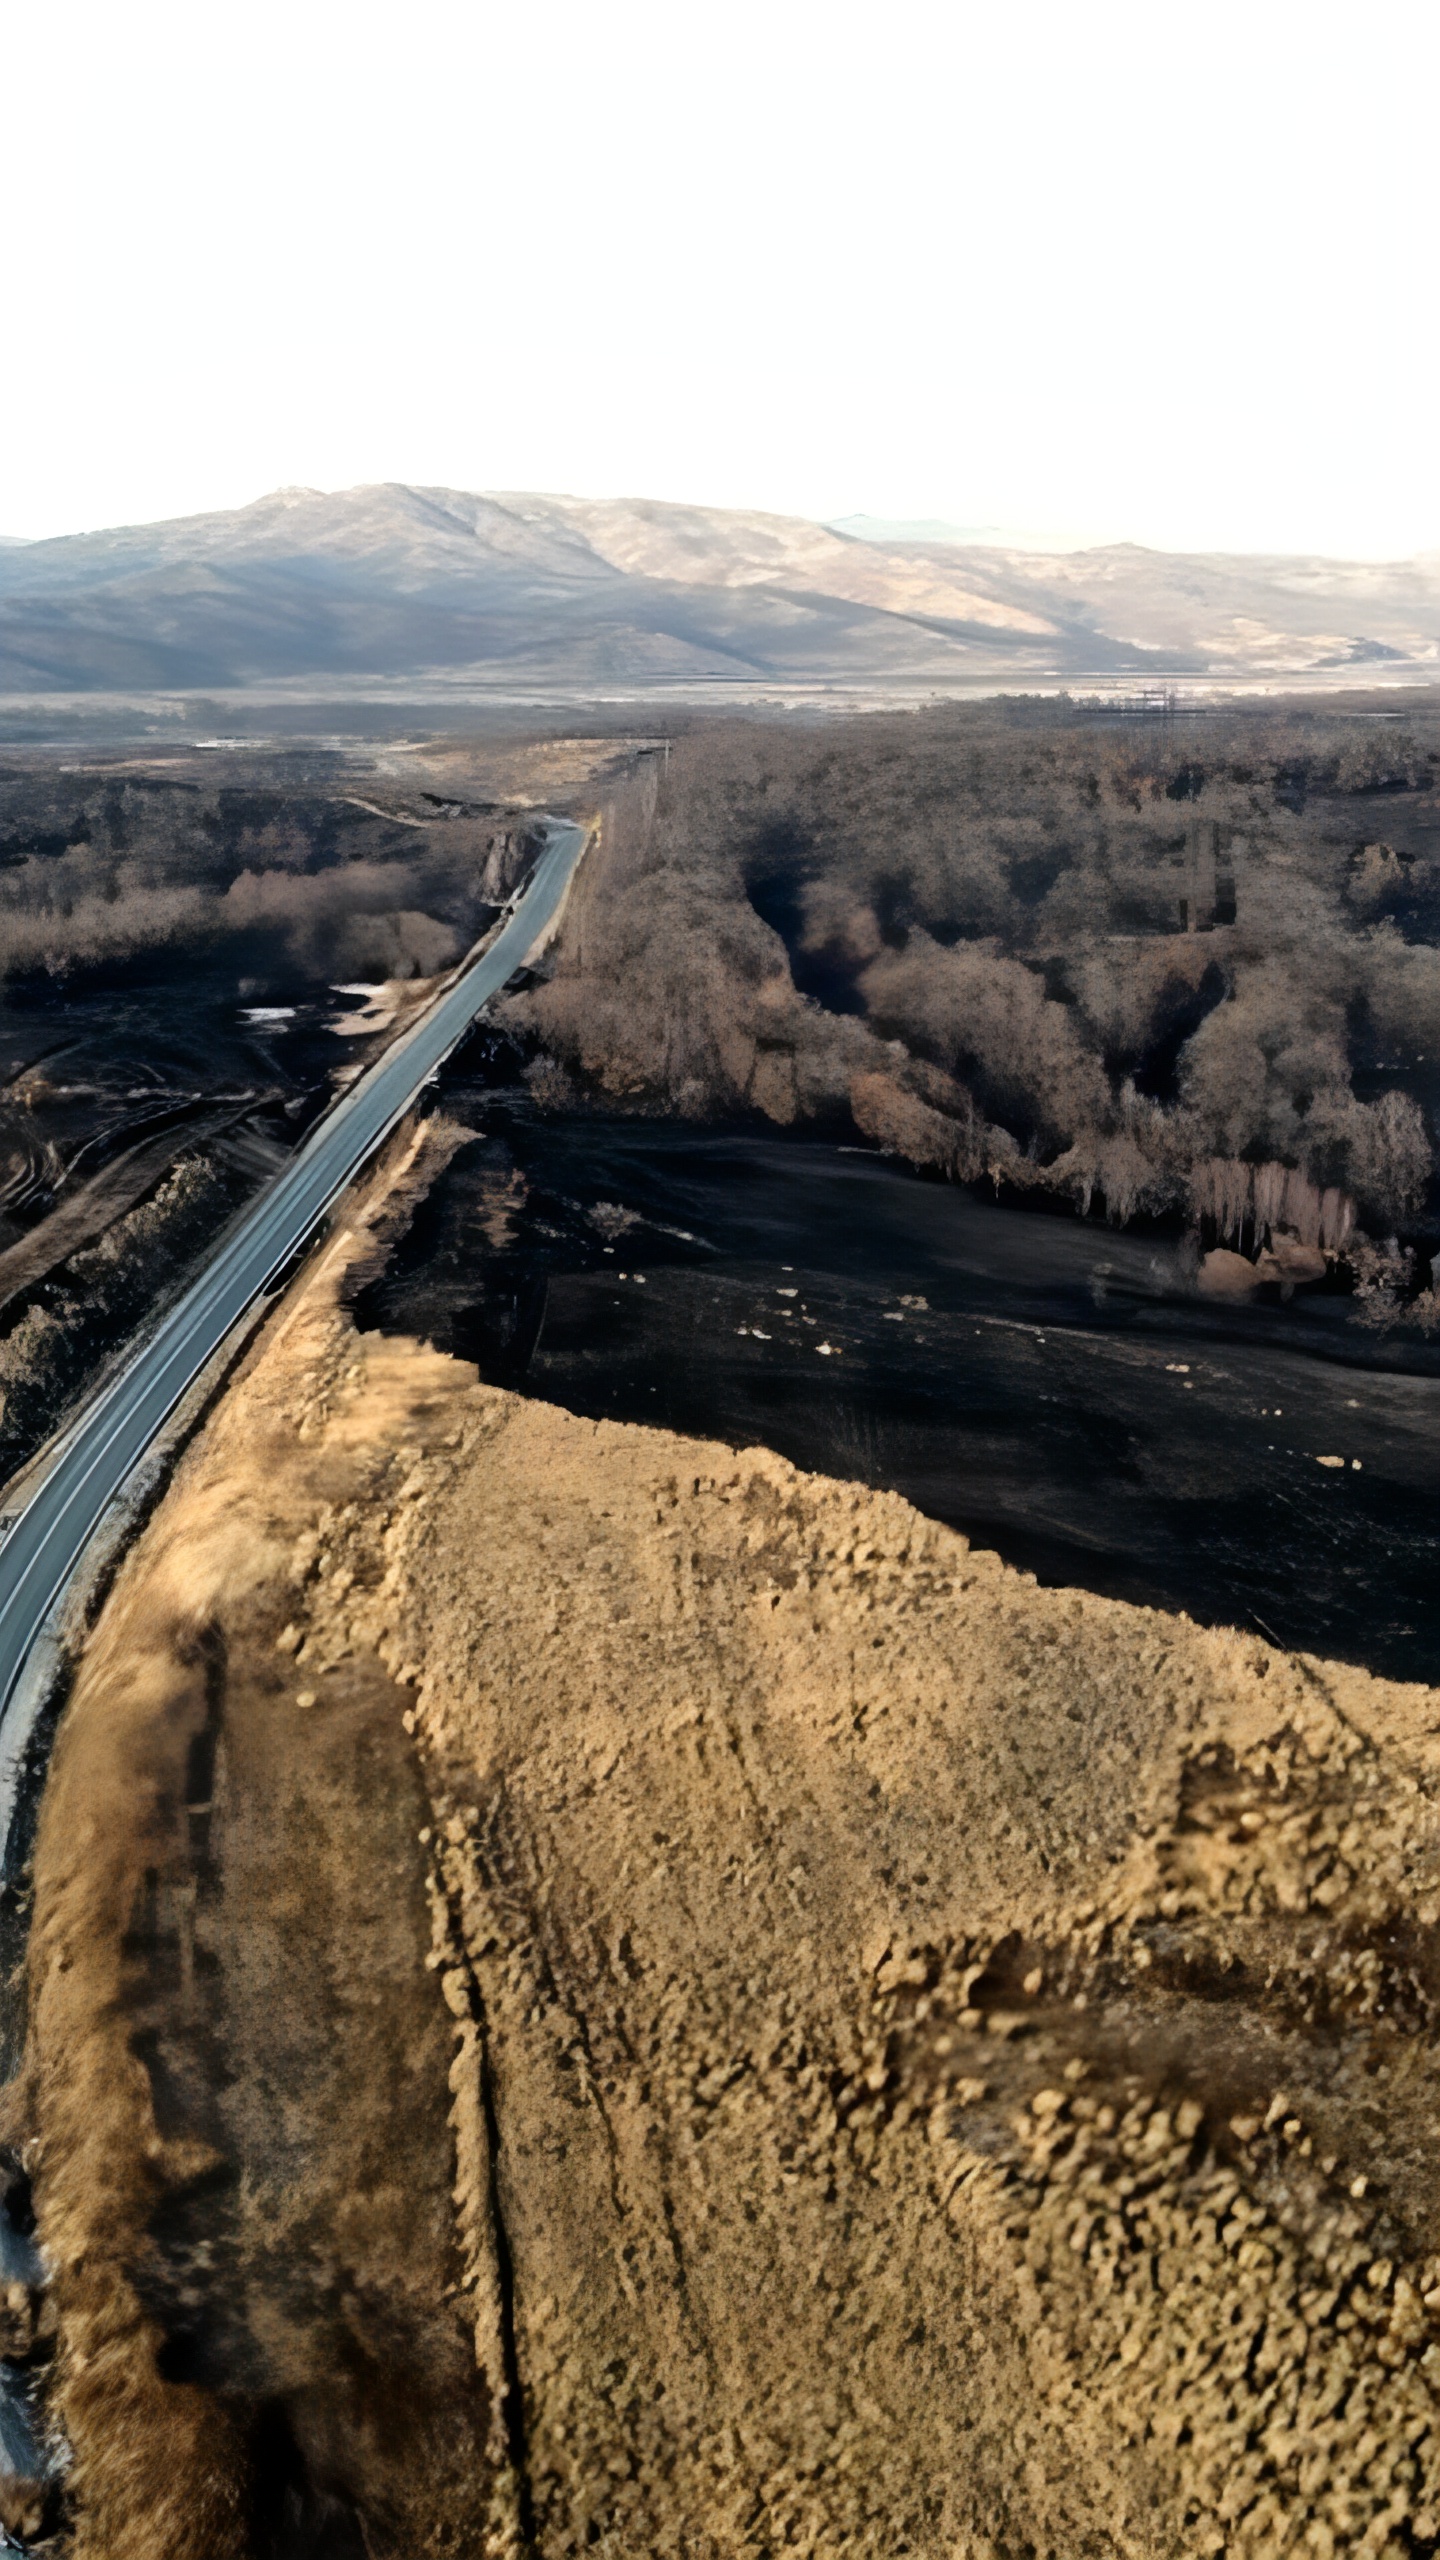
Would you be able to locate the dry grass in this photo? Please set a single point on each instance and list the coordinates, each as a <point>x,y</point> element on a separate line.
<point>932,2064</point>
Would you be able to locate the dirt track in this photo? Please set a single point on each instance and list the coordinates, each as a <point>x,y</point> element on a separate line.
<point>931,2064</point>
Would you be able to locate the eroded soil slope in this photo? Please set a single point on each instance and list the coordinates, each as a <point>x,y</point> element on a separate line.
<point>895,2059</point>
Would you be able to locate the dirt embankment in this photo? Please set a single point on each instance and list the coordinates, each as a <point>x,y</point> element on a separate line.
<point>595,1992</point>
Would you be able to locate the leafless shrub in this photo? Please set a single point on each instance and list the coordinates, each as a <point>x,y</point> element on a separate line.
<point>904,1125</point>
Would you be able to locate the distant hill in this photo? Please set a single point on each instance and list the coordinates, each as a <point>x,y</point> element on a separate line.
<point>892,529</point>
<point>450,590</point>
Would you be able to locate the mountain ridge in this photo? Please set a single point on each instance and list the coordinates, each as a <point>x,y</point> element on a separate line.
<point>406,583</point>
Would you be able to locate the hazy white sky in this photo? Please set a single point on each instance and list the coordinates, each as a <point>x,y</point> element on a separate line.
<point>1146,270</point>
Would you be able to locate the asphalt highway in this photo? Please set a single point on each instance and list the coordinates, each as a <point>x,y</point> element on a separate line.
<point>49,1537</point>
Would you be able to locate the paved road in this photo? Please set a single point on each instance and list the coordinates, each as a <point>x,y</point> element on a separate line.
<point>51,1534</point>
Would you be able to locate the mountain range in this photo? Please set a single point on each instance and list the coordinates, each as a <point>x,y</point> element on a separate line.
<point>445,591</point>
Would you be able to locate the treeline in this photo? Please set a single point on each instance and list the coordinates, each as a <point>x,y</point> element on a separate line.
<point>1152,966</point>
<point>1149,966</point>
<point>286,887</point>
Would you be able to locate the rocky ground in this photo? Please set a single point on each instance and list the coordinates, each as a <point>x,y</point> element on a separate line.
<point>589,1991</point>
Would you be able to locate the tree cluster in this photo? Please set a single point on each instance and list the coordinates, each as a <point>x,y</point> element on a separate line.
<point>1160,965</point>
<point>284,886</point>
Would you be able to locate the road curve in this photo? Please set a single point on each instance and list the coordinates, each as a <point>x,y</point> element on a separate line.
<point>49,1537</point>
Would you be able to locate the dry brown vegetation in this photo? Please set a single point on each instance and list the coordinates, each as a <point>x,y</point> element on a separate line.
<point>932,2064</point>
<point>288,878</point>
<point>1165,969</point>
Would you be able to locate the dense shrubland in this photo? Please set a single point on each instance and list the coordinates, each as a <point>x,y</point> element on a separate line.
<point>965,930</point>
<point>103,872</point>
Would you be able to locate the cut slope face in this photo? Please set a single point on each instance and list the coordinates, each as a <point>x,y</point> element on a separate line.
<point>933,2064</point>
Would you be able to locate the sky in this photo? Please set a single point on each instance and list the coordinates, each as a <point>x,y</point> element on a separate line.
<point>1081,268</point>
